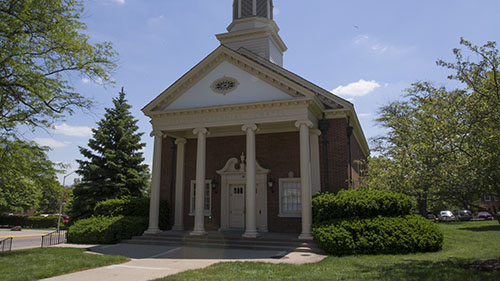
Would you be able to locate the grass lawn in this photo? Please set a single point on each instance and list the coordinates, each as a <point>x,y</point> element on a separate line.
<point>464,243</point>
<point>40,263</point>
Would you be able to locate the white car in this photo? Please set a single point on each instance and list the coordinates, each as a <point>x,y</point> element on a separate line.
<point>446,216</point>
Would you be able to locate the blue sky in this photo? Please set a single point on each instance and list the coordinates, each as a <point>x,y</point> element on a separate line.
<point>363,50</point>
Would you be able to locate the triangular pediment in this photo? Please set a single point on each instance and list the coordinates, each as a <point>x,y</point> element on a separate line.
<point>257,81</point>
<point>195,89</point>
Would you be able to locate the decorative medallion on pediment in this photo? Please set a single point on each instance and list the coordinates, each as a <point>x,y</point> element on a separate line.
<point>224,85</point>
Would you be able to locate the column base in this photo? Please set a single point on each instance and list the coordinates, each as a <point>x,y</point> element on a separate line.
<point>178,227</point>
<point>198,233</point>
<point>152,231</point>
<point>303,236</point>
<point>250,234</point>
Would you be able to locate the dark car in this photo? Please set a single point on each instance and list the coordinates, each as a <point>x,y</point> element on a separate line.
<point>484,216</point>
<point>465,215</point>
<point>432,217</point>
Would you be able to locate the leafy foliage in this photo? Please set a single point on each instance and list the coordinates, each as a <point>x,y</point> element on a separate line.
<point>131,206</point>
<point>41,43</point>
<point>106,230</point>
<point>115,164</point>
<point>28,179</point>
<point>31,221</point>
<point>443,146</point>
<point>380,235</point>
<point>363,203</point>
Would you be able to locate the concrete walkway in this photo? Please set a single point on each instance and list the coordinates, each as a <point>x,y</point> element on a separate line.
<point>151,262</point>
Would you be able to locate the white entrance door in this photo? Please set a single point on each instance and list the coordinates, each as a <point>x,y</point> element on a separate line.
<point>237,206</point>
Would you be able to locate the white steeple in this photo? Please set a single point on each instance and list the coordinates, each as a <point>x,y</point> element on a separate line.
<point>254,29</point>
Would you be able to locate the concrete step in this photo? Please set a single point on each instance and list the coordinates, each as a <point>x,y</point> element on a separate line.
<point>226,243</point>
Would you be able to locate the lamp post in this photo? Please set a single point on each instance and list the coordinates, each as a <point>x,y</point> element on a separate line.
<point>62,198</point>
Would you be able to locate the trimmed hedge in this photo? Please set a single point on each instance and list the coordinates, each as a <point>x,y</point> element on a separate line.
<point>380,235</point>
<point>29,222</point>
<point>131,206</point>
<point>362,203</point>
<point>106,230</point>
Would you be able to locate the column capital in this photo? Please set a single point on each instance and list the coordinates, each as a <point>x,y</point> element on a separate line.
<point>305,122</point>
<point>315,132</point>
<point>180,141</point>
<point>252,127</point>
<point>157,134</point>
<point>198,131</point>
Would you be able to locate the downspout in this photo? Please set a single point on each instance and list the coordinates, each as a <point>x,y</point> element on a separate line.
<point>350,130</point>
<point>323,125</point>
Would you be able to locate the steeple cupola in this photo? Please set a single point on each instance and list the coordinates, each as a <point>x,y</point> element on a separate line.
<point>254,29</point>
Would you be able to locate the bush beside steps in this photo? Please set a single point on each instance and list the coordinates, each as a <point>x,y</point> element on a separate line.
<point>371,222</point>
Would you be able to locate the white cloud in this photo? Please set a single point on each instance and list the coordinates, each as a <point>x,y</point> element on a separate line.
<point>52,143</point>
<point>85,80</point>
<point>364,114</point>
<point>356,89</point>
<point>378,47</point>
<point>156,20</point>
<point>72,131</point>
<point>121,2</point>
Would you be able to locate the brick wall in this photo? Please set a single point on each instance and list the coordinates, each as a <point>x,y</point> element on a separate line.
<point>277,152</point>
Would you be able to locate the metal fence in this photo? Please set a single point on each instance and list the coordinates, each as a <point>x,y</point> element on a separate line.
<point>6,244</point>
<point>54,238</point>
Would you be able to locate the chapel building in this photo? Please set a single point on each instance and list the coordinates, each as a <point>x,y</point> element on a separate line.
<point>241,143</point>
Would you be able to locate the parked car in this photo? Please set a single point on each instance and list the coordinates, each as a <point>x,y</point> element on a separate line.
<point>484,216</point>
<point>64,217</point>
<point>446,216</point>
<point>432,217</point>
<point>465,215</point>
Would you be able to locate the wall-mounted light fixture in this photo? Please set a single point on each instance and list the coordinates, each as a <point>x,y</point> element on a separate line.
<point>270,184</point>
<point>213,184</point>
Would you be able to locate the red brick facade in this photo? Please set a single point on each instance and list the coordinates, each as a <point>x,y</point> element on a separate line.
<point>278,152</point>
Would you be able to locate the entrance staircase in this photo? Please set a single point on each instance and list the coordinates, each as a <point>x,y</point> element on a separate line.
<point>286,242</point>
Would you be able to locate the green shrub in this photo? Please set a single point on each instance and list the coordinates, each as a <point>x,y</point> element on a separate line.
<point>106,230</point>
<point>29,222</point>
<point>363,203</point>
<point>131,206</point>
<point>124,206</point>
<point>380,235</point>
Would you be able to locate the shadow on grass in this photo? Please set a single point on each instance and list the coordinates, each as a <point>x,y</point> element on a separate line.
<point>482,228</point>
<point>451,269</point>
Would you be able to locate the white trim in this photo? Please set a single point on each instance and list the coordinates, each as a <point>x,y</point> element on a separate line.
<point>206,212</point>
<point>296,214</point>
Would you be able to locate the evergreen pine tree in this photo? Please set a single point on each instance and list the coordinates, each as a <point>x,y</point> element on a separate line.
<point>115,164</point>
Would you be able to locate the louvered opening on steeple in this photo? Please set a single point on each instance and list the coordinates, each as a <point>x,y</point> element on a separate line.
<point>252,8</point>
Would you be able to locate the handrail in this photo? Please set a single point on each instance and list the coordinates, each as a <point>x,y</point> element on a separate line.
<point>54,238</point>
<point>6,241</point>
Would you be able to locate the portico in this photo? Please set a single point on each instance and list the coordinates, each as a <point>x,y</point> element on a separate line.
<point>293,115</point>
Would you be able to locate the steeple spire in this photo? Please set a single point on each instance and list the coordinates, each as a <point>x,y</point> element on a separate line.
<point>254,29</point>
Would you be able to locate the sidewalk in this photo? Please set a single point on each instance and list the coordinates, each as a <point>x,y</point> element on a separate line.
<point>151,262</point>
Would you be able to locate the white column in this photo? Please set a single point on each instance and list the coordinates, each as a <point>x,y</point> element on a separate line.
<point>179,185</point>
<point>305,178</point>
<point>250,210</point>
<point>199,217</point>
<point>154,205</point>
<point>315,167</point>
